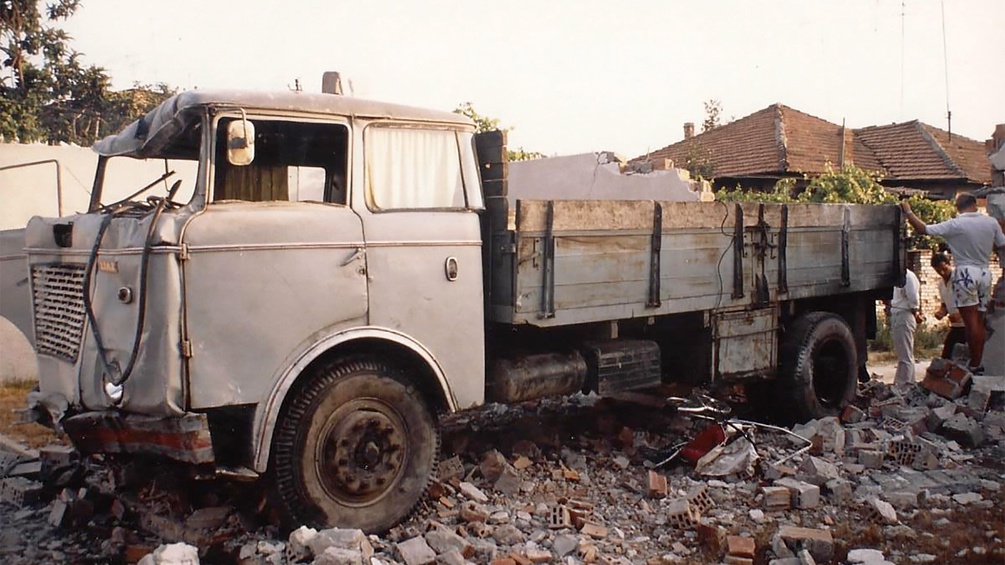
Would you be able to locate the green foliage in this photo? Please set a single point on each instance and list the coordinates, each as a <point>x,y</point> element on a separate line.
<point>713,115</point>
<point>485,123</point>
<point>849,185</point>
<point>780,194</point>
<point>698,162</point>
<point>49,94</point>
<point>930,212</point>
<point>482,123</point>
<point>928,340</point>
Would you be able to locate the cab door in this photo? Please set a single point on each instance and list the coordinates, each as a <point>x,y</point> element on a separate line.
<point>419,202</point>
<point>275,261</point>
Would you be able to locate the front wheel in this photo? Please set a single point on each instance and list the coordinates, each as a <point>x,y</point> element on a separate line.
<point>819,367</point>
<point>355,448</point>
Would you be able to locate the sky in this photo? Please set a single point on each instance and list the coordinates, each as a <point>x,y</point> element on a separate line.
<point>579,76</point>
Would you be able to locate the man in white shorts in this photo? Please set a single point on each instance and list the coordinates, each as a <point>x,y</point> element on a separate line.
<point>971,236</point>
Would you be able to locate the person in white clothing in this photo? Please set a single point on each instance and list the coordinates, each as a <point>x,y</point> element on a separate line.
<point>971,236</point>
<point>942,264</point>
<point>903,314</point>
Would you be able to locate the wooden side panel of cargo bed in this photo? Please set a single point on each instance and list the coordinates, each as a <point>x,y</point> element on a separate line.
<point>586,261</point>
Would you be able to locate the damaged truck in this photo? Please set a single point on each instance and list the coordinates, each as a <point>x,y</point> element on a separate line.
<point>315,279</point>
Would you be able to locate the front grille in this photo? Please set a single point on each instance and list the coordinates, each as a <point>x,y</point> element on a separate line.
<point>58,297</point>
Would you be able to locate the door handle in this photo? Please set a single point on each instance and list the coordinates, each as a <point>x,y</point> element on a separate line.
<point>357,254</point>
<point>450,268</point>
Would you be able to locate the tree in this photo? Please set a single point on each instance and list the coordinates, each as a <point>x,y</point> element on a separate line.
<point>713,115</point>
<point>485,123</point>
<point>698,162</point>
<point>48,93</point>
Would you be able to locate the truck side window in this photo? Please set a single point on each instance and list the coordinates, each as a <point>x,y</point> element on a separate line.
<point>412,168</point>
<point>294,161</point>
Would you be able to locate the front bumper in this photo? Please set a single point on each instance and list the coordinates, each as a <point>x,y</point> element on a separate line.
<point>185,438</point>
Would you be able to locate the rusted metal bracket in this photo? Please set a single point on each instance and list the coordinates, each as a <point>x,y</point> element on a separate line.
<point>738,250</point>
<point>783,243</point>
<point>845,259</point>
<point>654,257</point>
<point>548,265</point>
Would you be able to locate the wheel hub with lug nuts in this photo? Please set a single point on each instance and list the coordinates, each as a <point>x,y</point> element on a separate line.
<point>364,454</point>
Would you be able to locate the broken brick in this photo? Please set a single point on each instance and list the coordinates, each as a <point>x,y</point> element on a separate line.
<point>657,485</point>
<point>740,546</point>
<point>820,543</point>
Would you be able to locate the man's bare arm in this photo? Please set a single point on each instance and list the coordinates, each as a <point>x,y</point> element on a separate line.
<point>912,219</point>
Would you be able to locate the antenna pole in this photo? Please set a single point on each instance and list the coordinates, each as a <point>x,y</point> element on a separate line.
<point>945,58</point>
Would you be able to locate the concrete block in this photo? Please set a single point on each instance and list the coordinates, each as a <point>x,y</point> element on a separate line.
<point>442,540</point>
<point>777,498</point>
<point>594,530</point>
<point>902,499</point>
<point>803,495</point>
<point>342,538</point>
<point>838,491</point>
<point>820,543</point>
<point>472,492</point>
<point>172,554</point>
<point>20,491</point>
<point>339,556</point>
<point>880,511</point>
<point>415,551</point>
<point>817,471</point>
<point>450,469</point>
<point>903,452</point>
<point>938,416</point>
<point>964,430</point>
<point>871,459</point>
<point>471,511</point>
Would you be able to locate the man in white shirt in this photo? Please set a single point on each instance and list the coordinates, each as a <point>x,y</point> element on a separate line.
<point>942,264</point>
<point>971,236</point>
<point>904,315</point>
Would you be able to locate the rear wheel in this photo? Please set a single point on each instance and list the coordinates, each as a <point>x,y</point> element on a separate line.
<point>819,367</point>
<point>355,448</point>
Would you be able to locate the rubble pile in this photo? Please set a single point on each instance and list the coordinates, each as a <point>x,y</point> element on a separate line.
<point>911,475</point>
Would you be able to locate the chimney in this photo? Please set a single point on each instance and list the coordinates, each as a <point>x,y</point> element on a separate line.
<point>688,130</point>
<point>331,83</point>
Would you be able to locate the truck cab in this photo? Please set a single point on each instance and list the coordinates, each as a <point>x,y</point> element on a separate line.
<point>292,238</point>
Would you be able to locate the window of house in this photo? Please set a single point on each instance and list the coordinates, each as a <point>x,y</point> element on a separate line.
<point>413,168</point>
<point>294,161</point>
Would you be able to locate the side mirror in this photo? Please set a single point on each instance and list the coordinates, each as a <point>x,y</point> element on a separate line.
<point>240,142</point>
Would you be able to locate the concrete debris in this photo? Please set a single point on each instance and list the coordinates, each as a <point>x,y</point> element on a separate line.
<point>583,481</point>
<point>172,554</point>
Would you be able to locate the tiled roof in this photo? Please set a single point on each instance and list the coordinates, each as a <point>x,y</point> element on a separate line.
<point>775,140</point>
<point>917,151</point>
<point>779,140</point>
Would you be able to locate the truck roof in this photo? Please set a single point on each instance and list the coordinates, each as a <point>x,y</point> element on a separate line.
<point>144,136</point>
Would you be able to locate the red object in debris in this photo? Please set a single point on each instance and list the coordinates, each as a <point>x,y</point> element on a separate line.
<point>709,438</point>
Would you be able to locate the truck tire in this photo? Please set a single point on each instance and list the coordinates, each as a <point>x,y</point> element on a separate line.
<point>355,448</point>
<point>819,367</point>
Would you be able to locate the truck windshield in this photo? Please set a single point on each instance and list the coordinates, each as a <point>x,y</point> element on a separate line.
<point>126,177</point>
<point>129,176</point>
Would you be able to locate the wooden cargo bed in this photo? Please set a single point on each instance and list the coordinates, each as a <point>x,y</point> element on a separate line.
<point>570,262</point>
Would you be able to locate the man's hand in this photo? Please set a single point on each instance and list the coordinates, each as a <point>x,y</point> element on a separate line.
<point>905,206</point>
<point>940,312</point>
<point>919,317</point>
